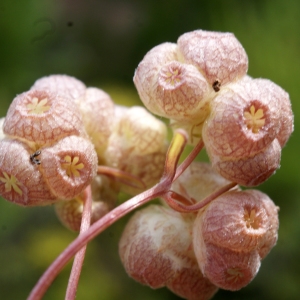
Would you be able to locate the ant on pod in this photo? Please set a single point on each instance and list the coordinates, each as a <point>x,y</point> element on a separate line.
<point>216,85</point>
<point>33,158</point>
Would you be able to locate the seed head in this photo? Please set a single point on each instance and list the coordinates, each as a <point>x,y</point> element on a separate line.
<point>69,166</point>
<point>21,181</point>
<point>42,117</point>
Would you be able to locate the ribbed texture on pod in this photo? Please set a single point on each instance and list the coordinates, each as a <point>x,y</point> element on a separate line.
<point>169,87</point>
<point>97,110</point>
<point>64,85</point>
<point>69,166</point>
<point>231,236</point>
<point>42,117</point>
<point>217,55</point>
<point>21,181</point>
<point>137,145</point>
<point>155,249</point>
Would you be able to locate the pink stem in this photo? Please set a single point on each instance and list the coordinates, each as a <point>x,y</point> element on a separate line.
<point>175,150</point>
<point>189,159</point>
<point>79,257</point>
<point>195,207</point>
<point>47,278</point>
<point>121,176</point>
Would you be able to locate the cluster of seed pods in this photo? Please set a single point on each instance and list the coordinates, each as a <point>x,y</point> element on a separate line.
<point>201,85</point>
<point>194,254</point>
<point>55,135</point>
<point>46,154</point>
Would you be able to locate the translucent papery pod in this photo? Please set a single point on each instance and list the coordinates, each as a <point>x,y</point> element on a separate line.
<point>155,249</point>
<point>250,122</point>
<point>70,212</point>
<point>264,97</point>
<point>96,106</point>
<point>228,269</point>
<point>21,181</point>
<point>97,109</point>
<point>178,81</point>
<point>219,56</point>
<point>252,117</point>
<point>63,85</point>
<point>139,131</point>
<point>198,181</point>
<point>69,166</point>
<point>104,194</point>
<point>232,235</point>
<point>171,88</point>
<point>138,145</point>
<point>250,171</point>
<point>42,117</point>
<point>189,283</point>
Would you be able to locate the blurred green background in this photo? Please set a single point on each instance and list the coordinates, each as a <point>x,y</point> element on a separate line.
<point>101,43</point>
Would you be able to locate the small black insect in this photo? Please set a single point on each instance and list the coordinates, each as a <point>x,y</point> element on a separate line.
<point>216,85</point>
<point>33,158</point>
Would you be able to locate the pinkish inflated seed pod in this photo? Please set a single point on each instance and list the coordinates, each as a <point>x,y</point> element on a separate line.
<point>146,74</point>
<point>63,85</point>
<point>156,250</point>
<point>287,120</point>
<point>148,168</point>
<point>170,88</point>
<point>137,145</point>
<point>250,171</point>
<point>198,181</point>
<point>271,236</point>
<point>104,197</point>
<point>189,283</point>
<point>239,221</point>
<point>20,179</point>
<point>70,212</point>
<point>232,234</point>
<point>105,189</point>
<point>244,119</point>
<point>97,110</point>
<point>151,247</point>
<point>227,269</point>
<point>69,166</point>
<point>218,56</point>
<point>140,132</point>
<point>42,117</point>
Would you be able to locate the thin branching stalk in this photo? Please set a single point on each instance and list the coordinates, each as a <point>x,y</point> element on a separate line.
<point>172,199</point>
<point>176,148</point>
<point>79,257</point>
